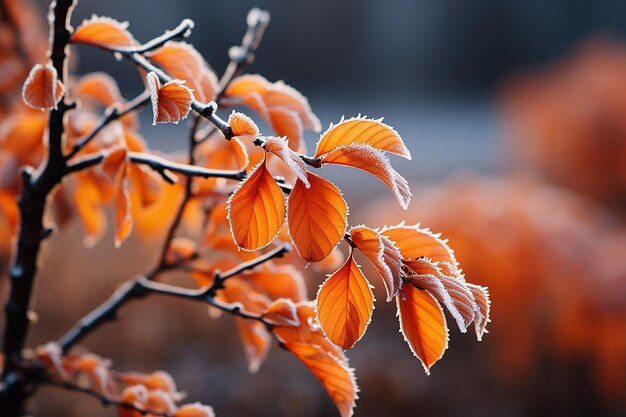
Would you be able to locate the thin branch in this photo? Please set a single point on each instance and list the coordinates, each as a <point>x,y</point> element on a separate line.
<point>105,400</point>
<point>244,55</point>
<point>183,30</point>
<point>143,285</point>
<point>220,277</point>
<point>111,114</point>
<point>178,217</point>
<point>160,164</point>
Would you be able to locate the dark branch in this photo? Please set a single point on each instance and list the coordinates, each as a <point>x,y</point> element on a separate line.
<point>244,55</point>
<point>110,115</point>
<point>183,30</point>
<point>161,164</point>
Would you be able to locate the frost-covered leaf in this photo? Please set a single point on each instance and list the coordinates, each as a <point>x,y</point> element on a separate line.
<point>325,360</point>
<point>383,254</point>
<point>317,217</point>
<point>282,312</point>
<point>114,166</point>
<point>423,325</point>
<point>344,305</point>
<point>256,210</point>
<point>365,131</point>
<point>374,161</point>
<point>414,242</point>
<point>103,32</point>
<point>242,126</point>
<point>183,62</point>
<point>42,89</point>
<point>170,102</point>
<point>481,296</point>
<point>280,148</point>
<point>448,287</point>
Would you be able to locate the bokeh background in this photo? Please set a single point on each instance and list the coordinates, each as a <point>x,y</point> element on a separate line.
<point>515,113</point>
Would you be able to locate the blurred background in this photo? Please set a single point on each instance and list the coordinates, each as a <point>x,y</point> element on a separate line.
<point>515,113</point>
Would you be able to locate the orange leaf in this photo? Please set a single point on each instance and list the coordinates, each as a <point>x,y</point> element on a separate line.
<point>274,95</point>
<point>42,89</point>
<point>242,126</point>
<point>256,342</point>
<point>317,217</point>
<point>256,210</point>
<point>181,250</point>
<point>383,255</point>
<point>344,305</point>
<point>371,160</point>
<point>277,281</point>
<point>282,312</point>
<point>325,360</point>
<point>87,202</point>
<point>286,122</point>
<point>423,325</point>
<point>280,148</point>
<point>182,61</point>
<point>103,32</point>
<point>171,102</point>
<point>446,286</point>
<point>194,410</point>
<point>481,296</point>
<point>114,166</point>
<point>362,130</point>
<point>136,396</point>
<point>99,86</point>
<point>414,242</point>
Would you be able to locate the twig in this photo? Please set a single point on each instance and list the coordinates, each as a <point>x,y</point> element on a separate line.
<point>244,55</point>
<point>110,115</point>
<point>144,285</point>
<point>183,30</point>
<point>160,164</point>
<point>105,400</point>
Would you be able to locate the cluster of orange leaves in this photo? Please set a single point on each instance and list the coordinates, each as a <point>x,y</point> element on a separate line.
<point>568,121</point>
<point>417,267</point>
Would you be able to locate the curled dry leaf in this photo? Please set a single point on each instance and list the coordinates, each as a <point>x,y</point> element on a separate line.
<point>256,342</point>
<point>282,312</point>
<point>383,254</point>
<point>280,148</point>
<point>256,210</point>
<point>170,102</point>
<point>446,286</point>
<point>242,126</point>
<point>365,131</point>
<point>286,123</point>
<point>42,89</point>
<point>481,297</point>
<point>374,161</point>
<point>414,242</point>
<point>325,360</point>
<point>182,61</point>
<point>103,32</point>
<point>344,305</point>
<point>423,325</point>
<point>115,166</point>
<point>317,217</point>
